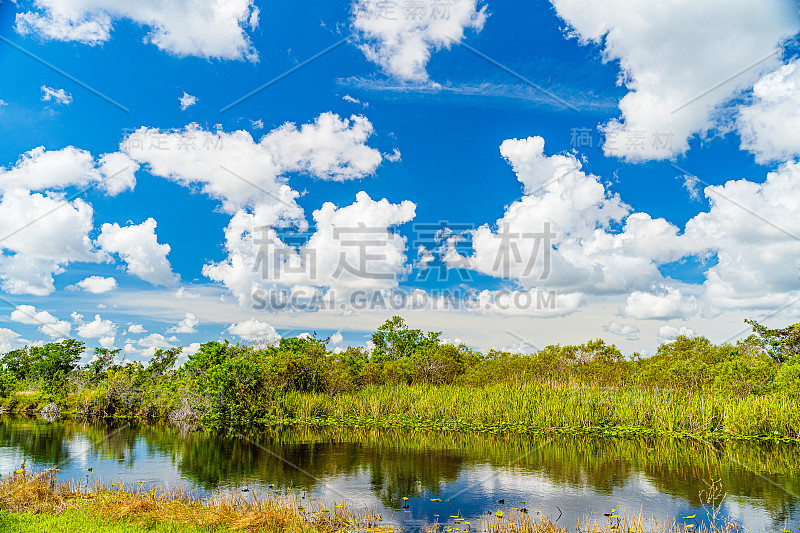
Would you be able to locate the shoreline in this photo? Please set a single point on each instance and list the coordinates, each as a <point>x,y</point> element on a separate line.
<point>626,413</point>
<point>31,502</point>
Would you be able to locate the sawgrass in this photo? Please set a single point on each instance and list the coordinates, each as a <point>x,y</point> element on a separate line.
<point>554,408</point>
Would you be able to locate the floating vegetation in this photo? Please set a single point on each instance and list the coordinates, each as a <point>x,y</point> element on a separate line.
<point>617,522</point>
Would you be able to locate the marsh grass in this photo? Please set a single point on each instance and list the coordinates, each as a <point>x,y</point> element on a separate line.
<point>551,407</point>
<point>41,494</point>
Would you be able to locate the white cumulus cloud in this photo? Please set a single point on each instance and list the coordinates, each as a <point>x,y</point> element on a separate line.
<point>39,169</point>
<point>254,330</point>
<point>154,340</point>
<point>242,173</point>
<point>138,246</point>
<point>187,325</point>
<point>43,235</point>
<point>8,340</point>
<point>48,324</point>
<point>770,125</point>
<point>332,258</point>
<point>44,231</point>
<point>757,248</point>
<point>559,235</point>
<point>97,284</point>
<point>200,28</point>
<point>98,329</point>
<point>59,96</point>
<point>187,101</point>
<point>119,173</point>
<point>672,53</point>
<point>331,148</point>
<point>663,303</point>
<point>401,37</point>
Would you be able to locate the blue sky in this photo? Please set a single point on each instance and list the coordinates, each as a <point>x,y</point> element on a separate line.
<point>490,120</point>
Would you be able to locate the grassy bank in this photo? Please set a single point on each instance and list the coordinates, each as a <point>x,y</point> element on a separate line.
<point>87,522</point>
<point>37,502</point>
<point>532,408</point>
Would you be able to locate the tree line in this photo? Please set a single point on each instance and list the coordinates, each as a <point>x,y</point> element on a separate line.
<point>224,382</point>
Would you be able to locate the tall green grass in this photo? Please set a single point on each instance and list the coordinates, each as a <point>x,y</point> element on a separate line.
<point>702,413</point>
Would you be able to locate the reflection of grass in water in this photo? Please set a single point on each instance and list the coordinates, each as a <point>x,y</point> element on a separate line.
<point>403,463</point>
<point>674,466</point>
<point>47,442</point>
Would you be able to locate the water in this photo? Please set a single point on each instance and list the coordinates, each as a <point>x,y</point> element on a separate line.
<point>469,473</point>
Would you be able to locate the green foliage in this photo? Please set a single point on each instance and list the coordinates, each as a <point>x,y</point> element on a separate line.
<point>48,365</point>
<point>298,364</point>
<point>394,340</point>
<point>86,522</point>
<point>8,382</point>
<point>163,361</point>
<point>787,378</point>
<point>102,361</point>
<point>780,344</point>
<point>17,363</point>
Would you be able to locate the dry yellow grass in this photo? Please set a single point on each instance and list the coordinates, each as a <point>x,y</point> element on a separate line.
<point>40,493</point>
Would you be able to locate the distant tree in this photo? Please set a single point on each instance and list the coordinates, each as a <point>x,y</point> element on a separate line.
<point>102,361</point>
<point>163,361</point>
<point>780,344</point>
<point>53,362</point>
<point>17,363</point>
<point>394,339</point>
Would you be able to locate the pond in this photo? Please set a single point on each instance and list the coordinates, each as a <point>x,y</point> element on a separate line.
<point>470,474</point>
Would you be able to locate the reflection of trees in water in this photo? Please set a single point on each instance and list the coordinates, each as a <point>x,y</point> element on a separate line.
<point>410,463</point>
<point>113,441</point>
<point>678,468</point>
<point>211,460</point>
<point>46,443</point>
<point>406,464</point>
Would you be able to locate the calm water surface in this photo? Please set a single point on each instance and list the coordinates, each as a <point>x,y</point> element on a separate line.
<point>469,473</point>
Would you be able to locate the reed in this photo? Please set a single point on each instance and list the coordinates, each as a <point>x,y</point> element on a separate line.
<point>706,414</point>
